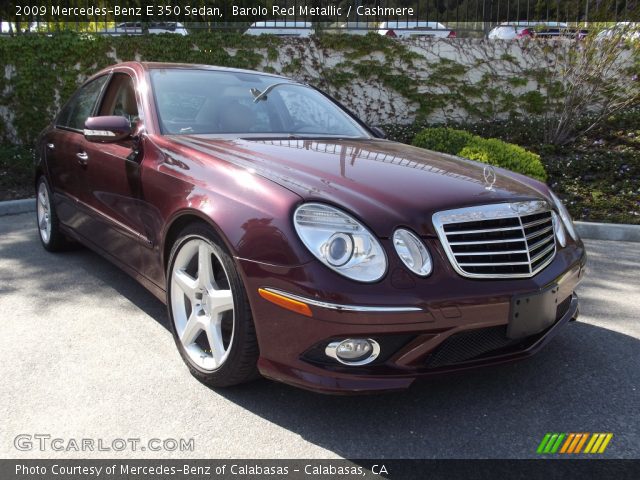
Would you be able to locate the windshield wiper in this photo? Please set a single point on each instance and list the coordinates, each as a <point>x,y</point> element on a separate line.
<point>258,95</point>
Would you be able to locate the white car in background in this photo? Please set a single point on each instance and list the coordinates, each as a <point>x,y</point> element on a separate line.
<point>625,30</point>
<point>542,30</point>
<point>136,28</point>
<point>352,28</point>
<point>521,29</point>
<point>281,28</point>
<point>415,28</point>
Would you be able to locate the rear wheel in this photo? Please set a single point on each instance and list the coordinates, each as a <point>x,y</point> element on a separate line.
<point>210,315</point>
<point>49,231</point>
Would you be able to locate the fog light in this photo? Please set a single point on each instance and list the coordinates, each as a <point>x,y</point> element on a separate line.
<point>353,351</point>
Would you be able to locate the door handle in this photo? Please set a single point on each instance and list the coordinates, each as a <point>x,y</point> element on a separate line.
<point>51,146</point>
<point>82,158</point>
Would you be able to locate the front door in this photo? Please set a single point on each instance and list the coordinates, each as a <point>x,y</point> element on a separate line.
<point>115,189</point>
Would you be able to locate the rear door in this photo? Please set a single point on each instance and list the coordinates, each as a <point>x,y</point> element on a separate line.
<point>66,154</point>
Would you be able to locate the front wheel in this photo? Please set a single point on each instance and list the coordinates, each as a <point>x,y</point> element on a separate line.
<point>210,315</point>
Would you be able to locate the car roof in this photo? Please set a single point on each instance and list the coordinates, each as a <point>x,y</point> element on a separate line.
<point>189,66</point>
<point>525,23</point>
<point>280,24</point>
<point>399,24</point>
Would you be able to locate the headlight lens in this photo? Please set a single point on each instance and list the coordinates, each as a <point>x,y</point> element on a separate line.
<point>564,215</point>
<point>340,242</point>
<point>412,252</point>
<point>558,229</point>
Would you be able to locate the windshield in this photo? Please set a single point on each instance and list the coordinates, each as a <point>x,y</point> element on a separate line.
<point>237,103</point>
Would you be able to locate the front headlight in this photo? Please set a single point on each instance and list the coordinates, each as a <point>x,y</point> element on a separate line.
<point>340,242</point>
<point>558,229</point>
<point>564,215</point>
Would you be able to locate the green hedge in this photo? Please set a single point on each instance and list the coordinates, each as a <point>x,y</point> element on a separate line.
<point>486,150</point>
<point>40,72</point>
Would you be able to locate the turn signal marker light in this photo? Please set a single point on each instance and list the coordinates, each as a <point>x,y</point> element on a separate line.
<point>285,302</point>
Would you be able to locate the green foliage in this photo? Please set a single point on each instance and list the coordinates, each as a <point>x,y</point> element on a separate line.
<point>598,183</point>
<point>486,150</point>
<point>45,71</point>
<point>16,172</point>
<point>41,72</point>
<point>447,140</point>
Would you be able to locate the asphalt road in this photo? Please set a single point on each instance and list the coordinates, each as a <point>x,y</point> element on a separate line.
<point>85,353</point>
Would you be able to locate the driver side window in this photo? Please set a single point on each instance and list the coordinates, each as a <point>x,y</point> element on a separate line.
<point>80,107</point>
<point>120,98</point>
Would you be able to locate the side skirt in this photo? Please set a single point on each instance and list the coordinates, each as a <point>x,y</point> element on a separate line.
<point>156,290</point>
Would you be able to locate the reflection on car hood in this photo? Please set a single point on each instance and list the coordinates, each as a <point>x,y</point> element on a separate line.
<point>384,183</point>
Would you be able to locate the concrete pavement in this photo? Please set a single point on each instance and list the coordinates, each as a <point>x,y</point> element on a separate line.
<point>85,353</point>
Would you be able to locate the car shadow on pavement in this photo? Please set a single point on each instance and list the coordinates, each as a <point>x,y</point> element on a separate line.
<point>587,379</point>
<point>63,276</point>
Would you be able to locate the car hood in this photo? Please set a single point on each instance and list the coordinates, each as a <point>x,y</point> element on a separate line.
<point>386,184</point>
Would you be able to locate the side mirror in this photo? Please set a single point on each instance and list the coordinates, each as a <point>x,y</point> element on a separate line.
<point>378,132</point>
<point>108,129</point>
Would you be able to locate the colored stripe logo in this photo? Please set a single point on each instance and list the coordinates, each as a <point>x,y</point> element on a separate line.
<point>574,443</point>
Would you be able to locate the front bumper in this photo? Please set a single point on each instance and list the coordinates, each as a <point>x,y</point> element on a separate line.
<point>430,332</point>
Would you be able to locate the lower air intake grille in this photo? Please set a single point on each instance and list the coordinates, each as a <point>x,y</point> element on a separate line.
<point>489,341</point>
<point>468,345</point>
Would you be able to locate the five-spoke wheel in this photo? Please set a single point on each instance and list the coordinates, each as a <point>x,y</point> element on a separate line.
<point>211,319</point>
<point>49,231</point>
<point>44,212</point>
<point>202,304</point>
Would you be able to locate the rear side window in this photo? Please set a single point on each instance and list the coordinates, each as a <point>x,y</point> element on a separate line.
<point>81,105</point>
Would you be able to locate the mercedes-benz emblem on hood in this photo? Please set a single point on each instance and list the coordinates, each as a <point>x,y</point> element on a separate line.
<point>489,176</point>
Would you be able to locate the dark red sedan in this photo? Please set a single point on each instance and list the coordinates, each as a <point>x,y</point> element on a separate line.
<point>287,239</point>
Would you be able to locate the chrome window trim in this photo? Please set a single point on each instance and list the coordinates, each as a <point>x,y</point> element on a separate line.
<point>342,307</point>
<point>493,211</point>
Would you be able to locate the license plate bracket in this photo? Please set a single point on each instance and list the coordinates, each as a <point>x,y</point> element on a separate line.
<point>532,313</point>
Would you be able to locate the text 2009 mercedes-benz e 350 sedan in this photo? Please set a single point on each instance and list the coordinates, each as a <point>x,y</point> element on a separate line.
<point>288,240</point>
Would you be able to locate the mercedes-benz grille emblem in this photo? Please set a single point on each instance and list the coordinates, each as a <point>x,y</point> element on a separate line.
<point>489,176</point>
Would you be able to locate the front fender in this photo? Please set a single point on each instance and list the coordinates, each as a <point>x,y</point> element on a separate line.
<point>255,224</point>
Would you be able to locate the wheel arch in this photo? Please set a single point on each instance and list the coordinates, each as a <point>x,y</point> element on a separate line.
<point>40,166</point>
<point>179,222</point>
<point>37,173</point>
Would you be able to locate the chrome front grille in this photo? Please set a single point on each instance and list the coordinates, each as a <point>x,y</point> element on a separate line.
<point>503,240</point>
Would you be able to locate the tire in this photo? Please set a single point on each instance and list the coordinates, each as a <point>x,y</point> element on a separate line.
<point>51,237</point>
<point>209,313</point>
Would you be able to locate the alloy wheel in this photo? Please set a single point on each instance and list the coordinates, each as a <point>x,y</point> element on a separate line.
<point>202,304</point>
<point>44,213</point>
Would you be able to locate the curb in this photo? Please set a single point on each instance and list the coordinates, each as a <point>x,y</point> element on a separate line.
<point>608,231</point>
<point>589,230</point>
<point>14,207</point>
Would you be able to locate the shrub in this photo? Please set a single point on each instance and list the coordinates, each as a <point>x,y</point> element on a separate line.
<point>16,172</point>
<point>486,150</point>
<point>442,139</point>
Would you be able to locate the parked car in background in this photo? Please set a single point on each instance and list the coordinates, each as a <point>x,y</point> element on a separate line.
<point>281,28</point>
<point>137,28</point>
<point>419,28</point>
<point>624,30</point>
<point>288,239</point>
<point>352,28</point>
<point>525,29</point>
